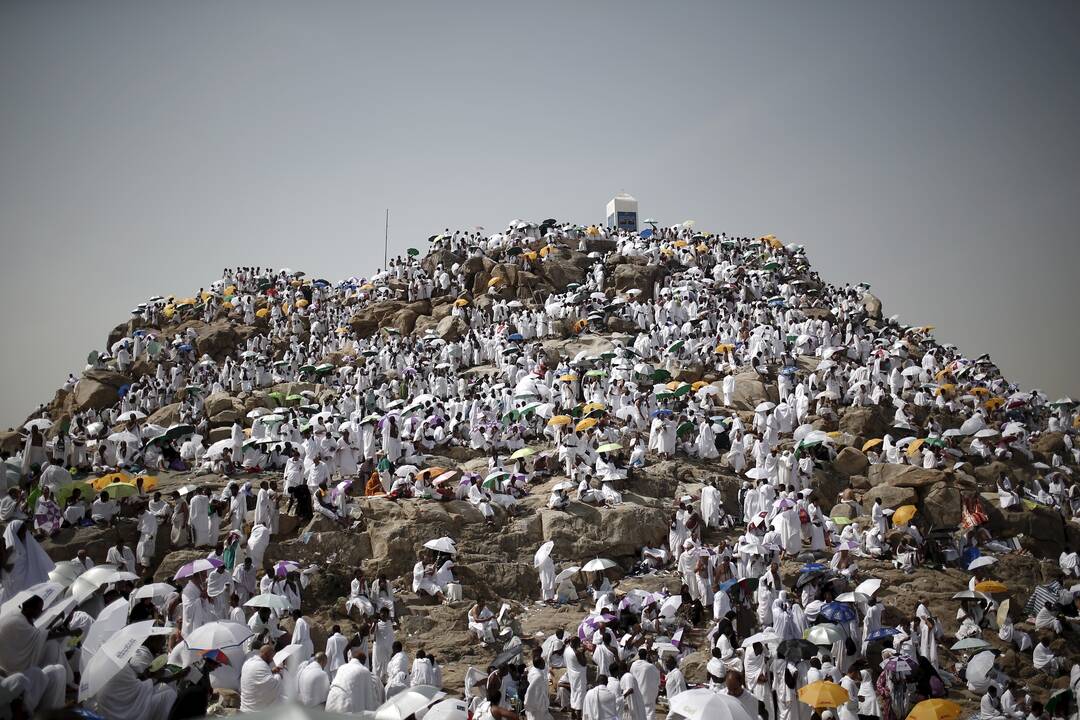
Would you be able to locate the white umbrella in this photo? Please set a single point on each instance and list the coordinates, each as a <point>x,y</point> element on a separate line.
<point>767,637</point>
<point>125,436</point>
<point>825,634</point>
<point>564,485</point>
<point>41,424</point>
<point>704,704</point>
<point>113,656</point>
<point>218,635</point>
<point>982,561</point>
<point>450,709</point>
<point>58,609</point>
<point>65,572</point>
<point>765,406</point>
<point>987,433</point>
<point>868,587</point>
<point>408,702</point>
<point>567,574</point>
<point>979,667</point>
<point>599,565</point>
<point>259,412</point>
<point>443,544</point>
<point>48,591</point>
<point>913,371</point>
<point>155,591</point>
<point>274,602</point>
<point>852,597</point>
<point>543,553</point>
<point>109,622</point>
<point>670,606</point>
<point>132,415</point>
<point>118,576</point>
<point>218,448</point>
<point>88,582</point>
<point>757,473</point>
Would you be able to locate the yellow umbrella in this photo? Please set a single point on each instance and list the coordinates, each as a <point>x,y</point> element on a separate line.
<point>495,281</point>
<point>529,254</point>
<point>980,391</point>
<point>430,473</point>
<point>667,251</point>
<point>874,442</point>
<point>673,385</point>
<point>186,301</point>
<point>568,378</point>
<point>367,287</point>
<point>834,434</point>
<point>724,347</point>
<point>302,302</point>
<point>945,388</point>
<point>168,311</point>
<point>942,373</point>
<point>342,330</point>
<point>116,477</point>
<point>702,247</point>
<point>585,424</point>
<point>914,446</point>
<point>823,694</point>
<point>592,231</point>
<point>698,385</point>
<point>680,243</point>
<point>994,403</point>
<point>560,420</point>
<point>461,302</point>
<point>593,406</point>
<point>545,250</point>
<point>903,514</point>
<point>580,325</point>
<point>149,482</point>
<point>936,709</point>
<point>991,586</point>
<point>286,309</point>
<point>262,312</point>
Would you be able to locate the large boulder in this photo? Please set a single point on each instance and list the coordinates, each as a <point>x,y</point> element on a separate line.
<point>864,422</point>
<point>636,277</point>
<point>872,305</point>
<point>891,497</point>
<point>165,416</point>
<point>404,321</point>
<point>219,340</point>
<point>98,389</point>
<point>942,505</point>
<point>220,402</point>
<point>851,461</point>
<point>451,329</point>
<point>560,273</point>
<point>585,531</point>
<point>904,476</point>
<point>749,391</point>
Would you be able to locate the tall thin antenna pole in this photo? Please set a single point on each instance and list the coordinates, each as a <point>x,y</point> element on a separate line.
<point>386,238</point>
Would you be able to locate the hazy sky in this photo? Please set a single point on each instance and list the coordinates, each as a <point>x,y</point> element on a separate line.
<point>929,148</point>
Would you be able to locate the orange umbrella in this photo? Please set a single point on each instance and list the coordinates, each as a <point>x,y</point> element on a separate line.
<point>585,424</point>
<point>559,420</point>
<point>936,709</point>
<point>991,587</point>
<point>871,444</point>
<point>903,514</point>
<point>823,694</point>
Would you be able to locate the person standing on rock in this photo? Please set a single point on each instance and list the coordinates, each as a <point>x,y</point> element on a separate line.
<point>576,676</point>
<point>383,648</point>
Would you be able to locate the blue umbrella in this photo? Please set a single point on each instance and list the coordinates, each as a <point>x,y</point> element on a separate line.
<point>661,411</point>
<point>882,633</point>
<point>123,390</point>
<point>790,370</point>
<point>185,348</point>
<point>321,283</point>
<point>646,234</point>
<point>812,567</point>
<point>516,337</point>
<point>837,612</point>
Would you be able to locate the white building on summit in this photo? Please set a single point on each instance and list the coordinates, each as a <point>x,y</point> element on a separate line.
<point>622,212</point>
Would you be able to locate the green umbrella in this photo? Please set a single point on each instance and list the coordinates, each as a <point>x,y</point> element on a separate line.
<point>771,266</point>
<point>531,407</point>
<point>324,369</point>
<point>271,419</point>
<point>664,395</point>
<point>294,398</point>
<point>607,355</point>
<point>683,390</point>
<point>609,447</point>
<point>935,441</point>
<point>413,252</point>
<point>596,373</point>
<point>307,369</point>
<point>510,416</point>
<point>661,375</point>
<point>64,491</point>
<point>193,389</point>
<point>684,428</point>
<point>121,490</point>
<point>676,346</point>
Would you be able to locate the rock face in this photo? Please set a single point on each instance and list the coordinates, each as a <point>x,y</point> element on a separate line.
<point>904,476</point>
<point>850,461</point>
<point>749,391</point>
<point>636,277</point>
<point>891,497</point>
<point>98,389</point>
<point>872,306</point>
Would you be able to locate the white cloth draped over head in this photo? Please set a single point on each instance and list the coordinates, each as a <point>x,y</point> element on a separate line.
<point>30,563</point>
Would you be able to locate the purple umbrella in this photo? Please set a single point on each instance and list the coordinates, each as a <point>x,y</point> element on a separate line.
<point>197,566</point>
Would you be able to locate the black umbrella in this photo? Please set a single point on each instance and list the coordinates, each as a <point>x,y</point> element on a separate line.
<point>796,650</point>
